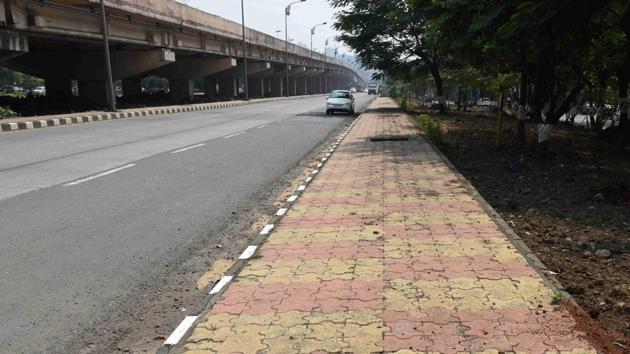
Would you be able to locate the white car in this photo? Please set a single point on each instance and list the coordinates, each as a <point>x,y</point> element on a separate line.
<point>39,91</point>
<point>340,101</point>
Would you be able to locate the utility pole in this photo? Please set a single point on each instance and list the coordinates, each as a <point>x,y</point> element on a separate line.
<point>287,13</point>
<point>244,53</point>
<point>111,94</point>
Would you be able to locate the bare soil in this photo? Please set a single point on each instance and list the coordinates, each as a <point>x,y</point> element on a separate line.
<point>572,206</point>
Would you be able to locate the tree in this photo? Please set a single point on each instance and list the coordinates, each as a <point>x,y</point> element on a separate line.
<point>393,36</point>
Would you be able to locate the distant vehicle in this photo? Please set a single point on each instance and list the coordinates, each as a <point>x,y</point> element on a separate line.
<point>340,101</point>
<point>353,89</point>
<point>39,91</point>
<point>373,89</point>
<point>12,89</point>
<point>486,102</point>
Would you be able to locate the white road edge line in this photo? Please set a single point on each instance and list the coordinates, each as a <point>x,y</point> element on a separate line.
<point>301,188</point>
<point>249,251</point>
<point>308,179</point>
<point>266,229</point>
<point>281,211</point>
<point>179,332</point>
<point>262,126</point>
<point>233,135</point>
<point>73,183</point>
<point>315,172</point>
<point>223,282</point>
<point>188,148</point>
<point>292,198</point>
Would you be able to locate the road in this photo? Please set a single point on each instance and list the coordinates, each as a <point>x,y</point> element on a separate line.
<point>89,212</point>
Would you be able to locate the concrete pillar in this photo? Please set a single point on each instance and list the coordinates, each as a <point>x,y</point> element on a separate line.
<point>292,86</point>
<point>228,88</point>
<point>210,87</point>
<point>132,86</point>
<point>181,90</point>
<point>301,86</point>
<point>277,86</point>
<point>94,91</point>
<point>58,87</point>
<point>256,87</point>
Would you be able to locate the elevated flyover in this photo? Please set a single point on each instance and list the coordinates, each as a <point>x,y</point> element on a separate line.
<point>61,41</point>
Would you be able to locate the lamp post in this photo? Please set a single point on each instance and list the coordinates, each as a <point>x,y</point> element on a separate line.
<point>287,13</point>
<point>244,53</point>
<point>312,34</point>
<point>111,94</point>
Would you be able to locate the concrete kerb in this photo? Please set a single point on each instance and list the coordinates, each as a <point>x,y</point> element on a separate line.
<point>212,294</point>
<point>152,111</point>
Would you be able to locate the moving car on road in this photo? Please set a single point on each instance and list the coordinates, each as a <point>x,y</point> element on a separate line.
<point>340,101</point>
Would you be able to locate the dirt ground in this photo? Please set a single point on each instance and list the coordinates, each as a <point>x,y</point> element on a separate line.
<point>572,207</point>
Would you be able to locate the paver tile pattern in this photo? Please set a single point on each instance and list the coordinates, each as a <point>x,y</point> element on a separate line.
<point>387,251</point>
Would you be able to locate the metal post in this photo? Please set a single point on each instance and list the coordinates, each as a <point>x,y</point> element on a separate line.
<point>286,48</point>
<point>311,74</point>
<point>111,94</point>
<point>244,53</point>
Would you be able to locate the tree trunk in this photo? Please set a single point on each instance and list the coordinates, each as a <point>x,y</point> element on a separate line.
<point>522,109</point>
<point>439,88</point>
<point>624,80</point>
<point>459,99</point>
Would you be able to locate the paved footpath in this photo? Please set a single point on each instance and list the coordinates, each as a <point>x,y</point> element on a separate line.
<point>387,251</point>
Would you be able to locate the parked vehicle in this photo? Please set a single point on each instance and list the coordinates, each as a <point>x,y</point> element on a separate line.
<point>372,89</point>
<point>39,91</point>
<point>340,101</point>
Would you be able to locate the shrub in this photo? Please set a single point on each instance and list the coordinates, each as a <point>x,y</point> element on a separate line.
<point>6,112</point>
<point>430,127</point>
<point>403,103</point>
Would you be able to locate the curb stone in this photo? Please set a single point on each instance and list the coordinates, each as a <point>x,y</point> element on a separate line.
<point>149,111</point>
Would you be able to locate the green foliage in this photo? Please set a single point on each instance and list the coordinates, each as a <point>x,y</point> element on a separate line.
<point>9,77</point>
<point>6,112</point>
<point>430,127</point>
<point>404,104</point>
<point>556,298</point>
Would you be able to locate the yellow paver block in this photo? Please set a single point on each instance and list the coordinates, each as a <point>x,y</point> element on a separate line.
<point>455,218</point>
<point>441,198</point>
<point>467,294</point>
<point>263,272</point>
<point>290,332</point>
<point>498,248</point>
<point>335,210</point>
<point>285,235</point>
<point>219,267</point>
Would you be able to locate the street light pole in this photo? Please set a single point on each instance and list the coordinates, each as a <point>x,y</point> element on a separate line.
<point>312,34</point>
<point>111,94</point>
<point>287,13</point>
<point>244,53</point>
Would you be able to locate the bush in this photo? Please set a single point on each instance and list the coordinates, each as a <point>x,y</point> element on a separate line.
<point>403,103</point>
<point>430,127</point>
<point>6,112</point>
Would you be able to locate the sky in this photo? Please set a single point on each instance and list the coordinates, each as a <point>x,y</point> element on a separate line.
<point>268,16</point>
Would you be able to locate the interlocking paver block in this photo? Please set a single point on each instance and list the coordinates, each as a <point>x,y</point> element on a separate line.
<point>388,251</point>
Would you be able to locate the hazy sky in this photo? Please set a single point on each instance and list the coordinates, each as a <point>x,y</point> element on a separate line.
<point>268,16</point>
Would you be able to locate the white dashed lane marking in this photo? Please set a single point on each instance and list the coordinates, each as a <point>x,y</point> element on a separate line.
<point>233,135</point>
<point>73,183</point>
<point>188,148</point>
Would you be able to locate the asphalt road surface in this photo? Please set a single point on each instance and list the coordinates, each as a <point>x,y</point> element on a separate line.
<point>87,211</point>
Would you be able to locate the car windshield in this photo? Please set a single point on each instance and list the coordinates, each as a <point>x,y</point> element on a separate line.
<point>340,94</point>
